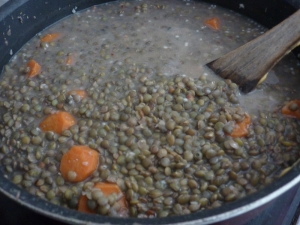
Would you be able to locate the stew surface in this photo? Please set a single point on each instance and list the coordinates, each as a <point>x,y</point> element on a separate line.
<point>111,111</point>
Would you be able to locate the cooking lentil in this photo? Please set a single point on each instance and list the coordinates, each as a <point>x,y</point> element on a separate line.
<point>159,120</point>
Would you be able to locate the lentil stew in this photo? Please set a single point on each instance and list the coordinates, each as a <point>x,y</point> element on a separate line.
<point>162,127</point>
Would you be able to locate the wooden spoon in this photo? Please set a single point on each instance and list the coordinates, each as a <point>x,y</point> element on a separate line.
<point>249,64</point>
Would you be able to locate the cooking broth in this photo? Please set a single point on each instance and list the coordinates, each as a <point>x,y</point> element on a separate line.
<point>171,137</point>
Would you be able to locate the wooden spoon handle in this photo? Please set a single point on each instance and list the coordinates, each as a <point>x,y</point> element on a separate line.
<point>251,62</point>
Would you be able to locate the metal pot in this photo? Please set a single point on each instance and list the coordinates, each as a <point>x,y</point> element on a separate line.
<point>20,20</point>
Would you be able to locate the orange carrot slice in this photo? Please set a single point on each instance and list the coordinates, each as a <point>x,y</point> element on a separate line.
<point>213,23</point>
<point>292,113</point>
<point>107,189</point>
<point>70,60</point>
<point>50,37</point>
<point>81,93</point>
<point>78,163</point>
<point>57,122</point>
<point>241,129</point>
<point>34,68</point>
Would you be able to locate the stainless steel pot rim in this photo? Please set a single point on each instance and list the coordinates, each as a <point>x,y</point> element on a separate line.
<point>63,214</point>
<point>253,205</point>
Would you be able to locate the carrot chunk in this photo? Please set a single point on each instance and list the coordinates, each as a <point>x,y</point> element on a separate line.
<point>34,68</point>
<point>107,189</point>
<point>50,37</point>
<point>70,60</point>
<point>57,122</point>
<point>292,109</point>
<point>213,23</point>
<point>78,163</point>
<point>241,129</point>
<point>81,93</point>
